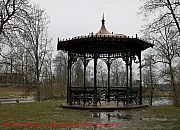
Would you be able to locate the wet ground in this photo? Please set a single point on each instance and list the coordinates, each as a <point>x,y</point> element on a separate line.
<point>124,120</point>
<point>50,116</point>
<point>135,119</point>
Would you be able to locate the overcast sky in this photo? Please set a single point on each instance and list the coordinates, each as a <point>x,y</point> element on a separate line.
<point>71,18</point>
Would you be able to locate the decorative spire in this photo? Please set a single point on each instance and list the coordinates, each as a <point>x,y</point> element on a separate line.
<point>103,21</point>
<point>103,30</point>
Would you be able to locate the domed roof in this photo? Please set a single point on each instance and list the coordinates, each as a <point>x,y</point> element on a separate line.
<point>103,30</point>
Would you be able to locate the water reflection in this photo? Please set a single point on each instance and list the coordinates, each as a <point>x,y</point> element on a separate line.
<point>112,116</point>
<point>96,115</point>
<point>159,101</point>
<point>157,119</point>
<point>90,128</point>
<point>74,129</point>
<point>95,128</point>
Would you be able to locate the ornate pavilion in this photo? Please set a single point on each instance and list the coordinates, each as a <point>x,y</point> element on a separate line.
<point>107,46</point>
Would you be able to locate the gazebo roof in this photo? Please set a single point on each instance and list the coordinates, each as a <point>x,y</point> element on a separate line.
<point>103,30</point>
<point>103,42</point>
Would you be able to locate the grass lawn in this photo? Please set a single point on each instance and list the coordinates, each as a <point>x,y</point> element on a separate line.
<point>42,113</point>
<point>165,117</point>
<point>158,118</point>
<point>50,112</point>
<point>6,91</point>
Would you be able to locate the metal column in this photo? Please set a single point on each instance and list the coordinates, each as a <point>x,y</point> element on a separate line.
<point>108,66</point>
<point>140,81</point>
<point>95,80</point>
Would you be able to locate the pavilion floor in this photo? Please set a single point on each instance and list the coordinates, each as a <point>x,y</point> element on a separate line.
<point>105,106</point>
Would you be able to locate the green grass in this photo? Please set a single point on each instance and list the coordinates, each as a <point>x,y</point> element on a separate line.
<point>41,112</point>
<point>13,90</point>
<point>152,118</point>
<point>166,111</point>
<point>160,118</point>
<point>6,91</point>
<point>165,117</point>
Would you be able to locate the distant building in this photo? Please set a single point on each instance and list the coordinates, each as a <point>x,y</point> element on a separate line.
<point>11,78</point>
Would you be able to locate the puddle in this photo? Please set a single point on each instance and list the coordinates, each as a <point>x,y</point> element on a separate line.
<point>160,101</point>
<point>74,129</point>
<point>112,116</point>
<point>153,119</point>
<point>90,126</point>
<point>157,119</point>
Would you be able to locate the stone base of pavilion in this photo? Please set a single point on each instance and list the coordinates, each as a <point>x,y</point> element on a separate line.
<point>105,106</point>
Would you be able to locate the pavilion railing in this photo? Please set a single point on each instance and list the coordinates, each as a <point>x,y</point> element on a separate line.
<point>86,95</point>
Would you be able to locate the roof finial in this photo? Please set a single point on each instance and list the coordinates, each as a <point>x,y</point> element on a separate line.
<point>103,30</point>
<point>103,21</point>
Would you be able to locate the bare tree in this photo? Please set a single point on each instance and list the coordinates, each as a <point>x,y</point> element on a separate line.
<point>77,70</point>
<point>101,74</point>
<point>172,7</point>
<point>10,53</point>
<point>162,9</point>
<point>177,93</point>
<point>150,75</point>
<point>25,41</point>
<point>164,36</point>
<point>118,73</point>
<point>9,10</point>
<point>60,70</point>
<point>37,42</point>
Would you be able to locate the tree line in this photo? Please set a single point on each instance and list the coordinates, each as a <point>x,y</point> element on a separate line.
<point>25,47</point>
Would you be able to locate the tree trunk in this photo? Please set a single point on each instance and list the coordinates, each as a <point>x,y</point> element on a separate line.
<point>174,16</point>
<point>173,85</point>
<point>152,84</point>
